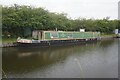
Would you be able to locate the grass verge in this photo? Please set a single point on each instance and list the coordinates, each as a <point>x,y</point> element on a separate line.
<point>8,40</point>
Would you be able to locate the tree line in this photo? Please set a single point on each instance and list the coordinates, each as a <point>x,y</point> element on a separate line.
<point>22,20</point>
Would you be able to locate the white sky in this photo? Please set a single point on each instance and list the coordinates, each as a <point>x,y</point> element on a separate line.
<point>74,8</point>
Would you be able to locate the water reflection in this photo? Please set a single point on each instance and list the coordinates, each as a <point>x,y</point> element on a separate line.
<point>68,61</point>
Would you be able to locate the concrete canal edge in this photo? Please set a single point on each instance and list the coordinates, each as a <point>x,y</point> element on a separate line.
<point>107,37</point>
<point>11,44</point>
<point>14,44</point>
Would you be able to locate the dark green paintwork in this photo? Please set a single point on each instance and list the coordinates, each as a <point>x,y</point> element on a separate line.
<point>70,35</point>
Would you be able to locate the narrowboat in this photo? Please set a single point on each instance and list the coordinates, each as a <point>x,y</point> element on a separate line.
<point>57,38</point>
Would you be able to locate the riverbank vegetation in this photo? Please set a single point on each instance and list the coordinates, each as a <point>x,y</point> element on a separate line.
<point>22,20</point>
<point>8,40</point>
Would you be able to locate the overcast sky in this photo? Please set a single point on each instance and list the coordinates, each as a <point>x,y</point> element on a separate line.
<point>74,8</point>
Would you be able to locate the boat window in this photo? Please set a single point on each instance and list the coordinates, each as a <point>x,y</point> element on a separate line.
<point>54,34</point>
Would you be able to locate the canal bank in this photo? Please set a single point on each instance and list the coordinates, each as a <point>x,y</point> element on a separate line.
<point>11,44</point>
<point>56,42</point>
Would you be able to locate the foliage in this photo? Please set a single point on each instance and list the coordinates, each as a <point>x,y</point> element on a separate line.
<point>22,20</point>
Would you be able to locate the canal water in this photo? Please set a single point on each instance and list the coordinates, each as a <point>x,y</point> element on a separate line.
<point>91,60</point>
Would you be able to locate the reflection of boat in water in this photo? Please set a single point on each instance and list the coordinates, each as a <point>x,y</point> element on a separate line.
<point>57,38</point>
<point>25,60</point>
<point>34,58</point>
<point>24,54</point>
